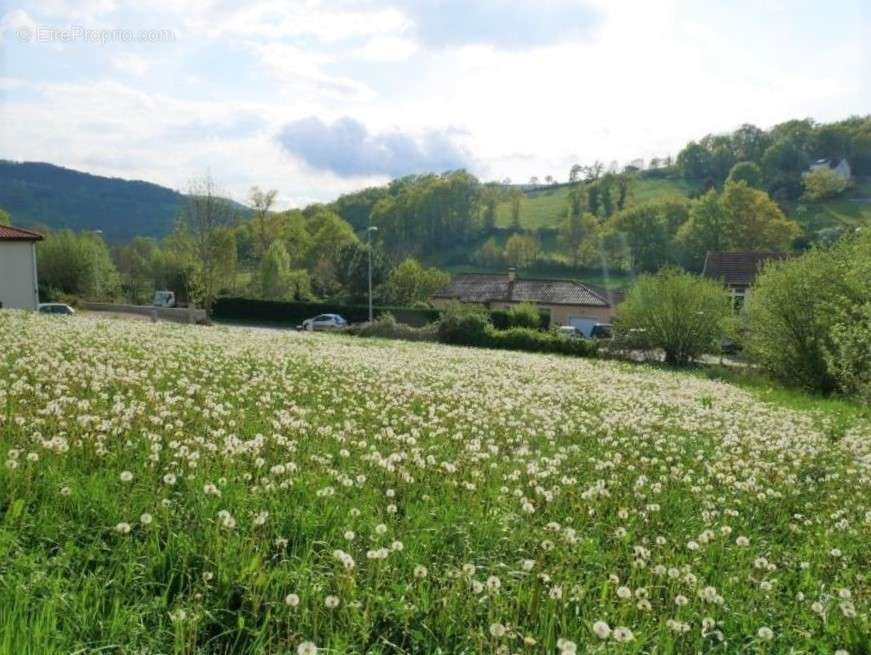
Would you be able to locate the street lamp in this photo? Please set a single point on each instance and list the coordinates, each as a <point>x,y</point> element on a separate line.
<point>369,232</point>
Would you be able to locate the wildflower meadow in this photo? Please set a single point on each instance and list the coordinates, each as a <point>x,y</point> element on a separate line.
<point>182,489</point>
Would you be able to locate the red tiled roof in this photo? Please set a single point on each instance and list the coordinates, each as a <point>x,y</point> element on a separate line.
<point>9,233</point>
<point>496,288</point>
<point>738,267</point>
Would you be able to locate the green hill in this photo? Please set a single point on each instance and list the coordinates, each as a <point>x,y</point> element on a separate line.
<point>39,194</point>
<point>545,208</point>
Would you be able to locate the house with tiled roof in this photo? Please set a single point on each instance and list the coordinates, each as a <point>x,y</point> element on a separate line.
<point>18,282</point>
<point>737,270</point>
<point>568,302</point>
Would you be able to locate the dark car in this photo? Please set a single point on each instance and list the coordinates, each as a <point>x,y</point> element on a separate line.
<point>601,331</point>
<point>56,308</point>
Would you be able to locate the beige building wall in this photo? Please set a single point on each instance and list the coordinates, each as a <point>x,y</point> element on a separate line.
<point>559,314</point>
<point>18,285</point>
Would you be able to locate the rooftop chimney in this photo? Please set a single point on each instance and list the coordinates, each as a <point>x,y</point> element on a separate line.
<point>512,275</point>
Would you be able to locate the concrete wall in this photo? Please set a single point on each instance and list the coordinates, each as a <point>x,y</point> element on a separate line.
<point>18,285</point>
<point>175,314</point>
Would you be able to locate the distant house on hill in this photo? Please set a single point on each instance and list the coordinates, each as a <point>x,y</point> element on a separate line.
<point>841,168</point>
<point>18,283</point>
<point>737,270</point>
<point>568,302</point>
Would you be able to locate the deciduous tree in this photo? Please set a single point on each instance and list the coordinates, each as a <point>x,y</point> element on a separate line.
<point>675,311</point>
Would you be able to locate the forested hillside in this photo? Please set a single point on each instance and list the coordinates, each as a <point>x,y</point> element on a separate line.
<point>717,193</point>
<point>747,190</point>
<point>56,197</point>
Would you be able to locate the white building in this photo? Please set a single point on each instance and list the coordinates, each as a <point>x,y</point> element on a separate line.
<point>840,168</point>
<point>18,284</point>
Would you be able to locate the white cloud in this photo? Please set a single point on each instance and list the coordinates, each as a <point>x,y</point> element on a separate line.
<point>290,64</point>
<point>15,20</point>
<point>639,81</point>
<point>131,64</point>
<point>387,49</point>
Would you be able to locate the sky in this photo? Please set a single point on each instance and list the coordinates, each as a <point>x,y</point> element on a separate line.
<point>316,98</point>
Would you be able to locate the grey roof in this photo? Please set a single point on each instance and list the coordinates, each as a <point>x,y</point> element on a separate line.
<point>480,288</point>
<point>737,267</point>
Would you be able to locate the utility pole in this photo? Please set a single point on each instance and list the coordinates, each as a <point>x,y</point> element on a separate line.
<point>369,232</point>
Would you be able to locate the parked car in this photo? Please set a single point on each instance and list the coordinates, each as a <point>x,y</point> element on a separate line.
<point>569,331</point>
<point>324,322</point>
<point>163,298</point>
<point>729,347</point>
<point>601,331</point>
<point>55,308</point>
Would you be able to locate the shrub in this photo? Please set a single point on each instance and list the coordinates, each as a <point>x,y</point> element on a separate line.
<point>849,355</point>
<point>821,184</point>
<point>503,319</point>
<point>524,315</point>
<point>790,315</point>
<point>531,340</point>
<point>675,311</point>
<point>386,327</point>
<point>463,325</point>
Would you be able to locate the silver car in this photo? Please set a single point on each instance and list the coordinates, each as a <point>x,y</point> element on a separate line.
<point>324,322</point>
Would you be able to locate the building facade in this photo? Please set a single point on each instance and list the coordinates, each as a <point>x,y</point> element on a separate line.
<point>737,271</point>
<point>18,282</point>
<point>568,302</point>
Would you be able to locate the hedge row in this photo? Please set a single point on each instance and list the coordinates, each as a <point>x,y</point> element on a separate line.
<point>294,313</point>
<point>501,319</point>
<point>474,330</point>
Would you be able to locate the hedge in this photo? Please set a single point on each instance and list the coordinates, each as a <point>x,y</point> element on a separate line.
<point>501,319</point>
<point>294,313</point>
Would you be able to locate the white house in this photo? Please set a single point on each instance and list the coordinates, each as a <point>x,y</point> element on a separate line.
<point>18,285</point>
<point>840,168</point>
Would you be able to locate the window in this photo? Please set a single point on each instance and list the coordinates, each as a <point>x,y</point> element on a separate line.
<point>739,295</point>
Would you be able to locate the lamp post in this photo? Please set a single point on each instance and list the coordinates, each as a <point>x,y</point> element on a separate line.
<point>369,232</point>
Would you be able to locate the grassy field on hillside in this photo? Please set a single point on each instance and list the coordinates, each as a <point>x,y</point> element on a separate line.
<point>547,208</point>
<point>178,489</point>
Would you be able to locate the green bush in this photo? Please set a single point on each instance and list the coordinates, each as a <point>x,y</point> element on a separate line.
<point>531,340</point>
<point>678,312</point>
<point>502,319</point>
<point>463,325</point>
<point>810,318</point>
<point>791,314</point>
<point>386,327</point>
<point>524,315</point>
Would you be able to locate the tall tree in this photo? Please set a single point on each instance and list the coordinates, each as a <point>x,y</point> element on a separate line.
<point>262,202</point>
<point>411,283</point>
<point>516,200</point>
<point>756,222</point>
<point>706,230</point>
<point>575,173</point>
<point>741,218</point>
<point>204,222</point>
<point>78,264</point>
<point>746,171</point>
<point>521,250</point>
<point>275,272</point>
<point>572,234</point>
<point>647,231</point>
